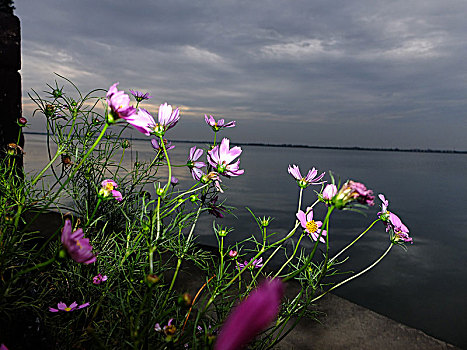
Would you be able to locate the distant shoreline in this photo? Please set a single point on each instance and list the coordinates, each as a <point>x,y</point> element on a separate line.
<point>288,145</point>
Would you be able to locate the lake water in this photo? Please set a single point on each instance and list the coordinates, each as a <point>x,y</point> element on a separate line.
<point>423,287</point>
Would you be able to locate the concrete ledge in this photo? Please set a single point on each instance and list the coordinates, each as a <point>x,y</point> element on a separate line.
<point>350,326</point>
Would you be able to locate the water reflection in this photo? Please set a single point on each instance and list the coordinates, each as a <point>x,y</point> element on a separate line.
<point>423,288</point>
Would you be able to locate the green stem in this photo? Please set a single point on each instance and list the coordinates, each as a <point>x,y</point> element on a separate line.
<point>57,154</point>
<point>168,165</point>
<point>300,199</point>
<point>119,163</point>
<point>356,275</point>
<point>94,212</point>
<point>75,170</point>
<point>192,230</point>
<point>179,263</point>
<point>291,258</point>
<point>221,267</point>
<point>310,257</point>
<point>35,267</point>
<point>355,240</point>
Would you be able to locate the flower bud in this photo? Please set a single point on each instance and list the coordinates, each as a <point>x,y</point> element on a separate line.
<point>265,221</point>
<point>152,278</point>
<point>185,299</point>
<point>49,111</point>
<point>22,121</point>
<point>160,191</point>
<point>194,198</point>
<point>329,192</point>
<point>57,93</point>
<point>222,233</point>
<point>125,144</point>
<point>233,253</point>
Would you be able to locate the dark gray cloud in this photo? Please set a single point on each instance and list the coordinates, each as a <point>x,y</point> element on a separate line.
<point>365,73</point>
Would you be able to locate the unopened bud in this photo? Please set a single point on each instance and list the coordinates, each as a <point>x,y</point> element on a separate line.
<point>185,299</point>
<point>152,278</point>
<point>125,144</point>
<point>22,121</point>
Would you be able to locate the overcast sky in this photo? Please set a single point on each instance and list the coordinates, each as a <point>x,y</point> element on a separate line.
<point>350,73</point>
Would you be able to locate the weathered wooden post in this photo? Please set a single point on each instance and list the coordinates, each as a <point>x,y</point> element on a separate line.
<point>10,80</point>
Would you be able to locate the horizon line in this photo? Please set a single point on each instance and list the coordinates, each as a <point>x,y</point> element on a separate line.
<point>289,145</point>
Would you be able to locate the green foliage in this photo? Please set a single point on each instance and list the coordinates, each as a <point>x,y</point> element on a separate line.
<point>145,245</point>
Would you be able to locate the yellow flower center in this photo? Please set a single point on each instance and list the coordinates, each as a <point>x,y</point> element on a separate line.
<point>68,309</point>
<point>109,186</point>
<point>311,226</point>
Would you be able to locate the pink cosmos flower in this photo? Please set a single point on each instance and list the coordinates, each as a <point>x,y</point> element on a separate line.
<point>174,181</point>
<point>73,306</point>
<point>108,188</point>
<point>139,96</point>
<point>251,316</point>
<point>309,179</point>
<point>142,121</point>
<point>353,191</point>
<point>329,192</point>
<point>168,330</point>
<point>257,263</point>
<point>3,347</point>
<point>216,126</point>
<point>393,223</point>
<point>99,279</point>
<point>156,144</point>
<point>145,123</point>
<point>311,226</point>
<point>221,157</point>
<point>167,119</point>
<point>194,165</point>
<point>119,104</point>
<point>76,245</point>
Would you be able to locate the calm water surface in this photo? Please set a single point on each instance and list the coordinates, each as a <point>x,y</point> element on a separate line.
<point>423,287</point>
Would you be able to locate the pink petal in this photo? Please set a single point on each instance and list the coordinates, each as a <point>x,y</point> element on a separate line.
<point>251,316</point>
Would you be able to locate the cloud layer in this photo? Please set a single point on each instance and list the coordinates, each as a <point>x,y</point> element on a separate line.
<point>364,73</point>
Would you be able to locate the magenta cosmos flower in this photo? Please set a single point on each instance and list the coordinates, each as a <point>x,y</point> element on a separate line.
<point>156,144</point>
<point>194,165</point>
<point>73,306</point>
<point>76,245</point>
<point>119,104</point>
<point>108,189</point>
<point>168,330</point>
<point>312,227</point>
<point>309,179</point>
<point>139,96</point>
<point>99,279</point>
<point>251,316</point>
<point>221,157</point>
<point>353,191</point>
<point>256,263</point>
<point>217,125</point>
<point>393,223</point>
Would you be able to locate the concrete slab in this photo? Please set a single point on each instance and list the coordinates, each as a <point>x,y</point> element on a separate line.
<point>350,326</point>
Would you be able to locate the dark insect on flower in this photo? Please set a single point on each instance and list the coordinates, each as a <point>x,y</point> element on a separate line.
<point>66,160</point>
